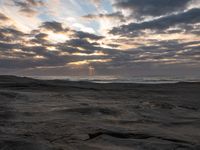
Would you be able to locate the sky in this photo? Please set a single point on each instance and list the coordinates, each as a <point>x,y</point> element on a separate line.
<point>115,37</point>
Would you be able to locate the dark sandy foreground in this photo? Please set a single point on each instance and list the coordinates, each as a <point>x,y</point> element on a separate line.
<point>61,115</point>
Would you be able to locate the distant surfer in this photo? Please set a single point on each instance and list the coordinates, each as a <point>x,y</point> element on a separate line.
<point>91,71</point>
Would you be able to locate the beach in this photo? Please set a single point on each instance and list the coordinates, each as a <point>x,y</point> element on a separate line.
<point>68,115</point>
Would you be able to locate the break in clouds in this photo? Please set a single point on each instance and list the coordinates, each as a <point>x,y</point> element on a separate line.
<point>123,37</point>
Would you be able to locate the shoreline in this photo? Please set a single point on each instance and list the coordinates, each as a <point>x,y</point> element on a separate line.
<point>13,77</point>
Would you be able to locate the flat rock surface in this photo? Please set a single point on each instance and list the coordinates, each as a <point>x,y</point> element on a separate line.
<point>64,115</point>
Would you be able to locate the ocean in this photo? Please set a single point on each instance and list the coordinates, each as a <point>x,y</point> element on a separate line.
<point>120,79</point>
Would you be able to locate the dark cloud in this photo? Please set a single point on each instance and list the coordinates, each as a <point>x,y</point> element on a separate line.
<point>28,11</point>
<point>27,58</point>
<point>53,26</point>
<point>22,56</point>
<point>189,17</point>
<point>41,36</point>
<point>173,50</point>
<point>178,29</point>
<point>115,16</point>
<point>113,45</point>
<point>175,53</point>
<point>35,2</point>
<point>191,29</point>
<point>3,17</point>
<point>82,43</point>
<point>28,6</point>
<point>7,46</point>
<point>84,35</point>
<point>142,8</point>
<point>11,31</point>
<point>84,46</point>
<point>58,27</point>
<point>145,57</point>
<point>10,34</point>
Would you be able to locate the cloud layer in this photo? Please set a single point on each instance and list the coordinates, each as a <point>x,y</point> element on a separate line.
<point>123,37</point>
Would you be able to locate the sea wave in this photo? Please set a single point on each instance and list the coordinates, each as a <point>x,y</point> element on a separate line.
<point>119,79</point>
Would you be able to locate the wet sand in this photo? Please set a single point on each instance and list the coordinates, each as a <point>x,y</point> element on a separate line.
<point>64,115</point>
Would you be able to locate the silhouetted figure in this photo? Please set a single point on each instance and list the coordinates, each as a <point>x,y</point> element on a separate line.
<point>91,71</point>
